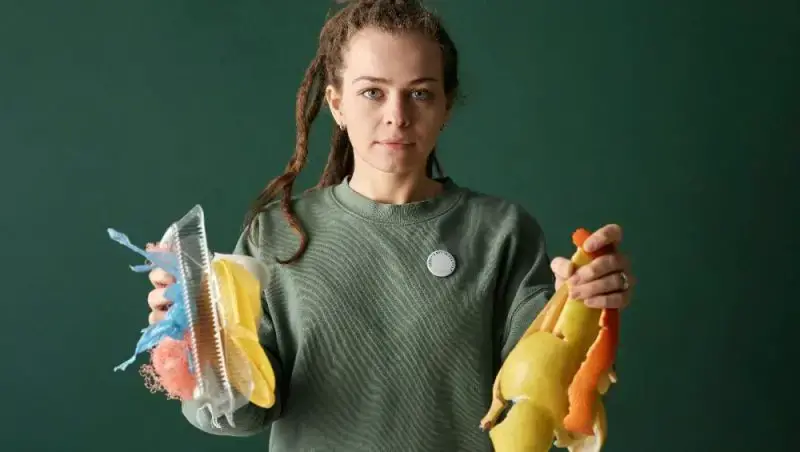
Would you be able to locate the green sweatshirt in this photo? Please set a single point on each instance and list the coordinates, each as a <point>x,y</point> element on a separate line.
<point>388,333</point>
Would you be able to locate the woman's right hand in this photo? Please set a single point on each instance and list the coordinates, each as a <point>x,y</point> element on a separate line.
<point>161,280</point>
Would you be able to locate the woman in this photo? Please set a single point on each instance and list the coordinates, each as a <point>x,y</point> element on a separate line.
<point>394,295</point>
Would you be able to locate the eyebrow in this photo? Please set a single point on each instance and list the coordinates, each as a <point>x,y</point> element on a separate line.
<point>386,81</point>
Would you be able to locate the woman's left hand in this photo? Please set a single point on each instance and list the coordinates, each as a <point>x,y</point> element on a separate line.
<point>604,283</point>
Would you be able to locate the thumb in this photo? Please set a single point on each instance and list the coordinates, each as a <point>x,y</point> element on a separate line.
<point>562,269</point>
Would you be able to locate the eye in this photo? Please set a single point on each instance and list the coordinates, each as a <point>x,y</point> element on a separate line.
<point>421,94</point>
<point>371,93</point>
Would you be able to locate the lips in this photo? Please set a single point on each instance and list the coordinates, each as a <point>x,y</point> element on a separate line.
<point>395,142</point>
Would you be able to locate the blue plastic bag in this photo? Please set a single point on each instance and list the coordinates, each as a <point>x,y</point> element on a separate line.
<point>176,321</point>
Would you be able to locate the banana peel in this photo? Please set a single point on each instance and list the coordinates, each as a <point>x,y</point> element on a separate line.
<point>550,388</point>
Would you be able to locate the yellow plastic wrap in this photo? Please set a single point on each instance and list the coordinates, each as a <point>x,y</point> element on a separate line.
<point>240,306</point>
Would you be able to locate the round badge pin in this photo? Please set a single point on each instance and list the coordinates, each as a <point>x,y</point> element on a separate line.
<point>441,263</point>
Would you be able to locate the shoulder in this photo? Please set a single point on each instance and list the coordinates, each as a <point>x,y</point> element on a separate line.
<point>514,237</point>
<point>271,229</point>
<point>506,217</point>
<point>306,205</point>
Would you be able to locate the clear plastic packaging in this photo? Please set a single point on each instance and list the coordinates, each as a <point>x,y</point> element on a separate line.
<point>210,358</point>
<point>221,362</point>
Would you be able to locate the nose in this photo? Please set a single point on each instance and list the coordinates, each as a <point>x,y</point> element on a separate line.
<point>397,111</point>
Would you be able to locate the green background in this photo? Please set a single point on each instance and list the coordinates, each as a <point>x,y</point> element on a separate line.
<point>678,120</point>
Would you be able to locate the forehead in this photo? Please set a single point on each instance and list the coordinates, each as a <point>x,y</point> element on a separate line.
<point>399,57</point>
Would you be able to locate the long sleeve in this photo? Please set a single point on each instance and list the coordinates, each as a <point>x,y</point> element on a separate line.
<point>250,419</point>
<point>526,285</point>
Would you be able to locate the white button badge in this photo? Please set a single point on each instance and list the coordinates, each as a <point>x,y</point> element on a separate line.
<point>441,263</point>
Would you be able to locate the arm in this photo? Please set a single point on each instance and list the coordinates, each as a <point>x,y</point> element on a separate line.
<point>526,283</point>
<point>250,419</point>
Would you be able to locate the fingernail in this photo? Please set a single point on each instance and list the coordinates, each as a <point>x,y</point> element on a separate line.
<point>589,245</point>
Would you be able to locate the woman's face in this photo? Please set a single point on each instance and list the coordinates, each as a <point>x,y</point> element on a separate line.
<point>391,100</point>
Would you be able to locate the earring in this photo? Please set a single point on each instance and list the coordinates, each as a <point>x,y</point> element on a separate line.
<point>341,127</point>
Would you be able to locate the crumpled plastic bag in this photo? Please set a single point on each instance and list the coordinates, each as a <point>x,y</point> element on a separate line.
<point>176,321</point>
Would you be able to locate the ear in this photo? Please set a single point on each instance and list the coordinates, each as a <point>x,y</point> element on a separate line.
<point>446,119</point>
<point>448,110</point>
<point>334,100</point>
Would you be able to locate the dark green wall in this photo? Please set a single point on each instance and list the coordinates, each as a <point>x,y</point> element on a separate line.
<point>677,119</point>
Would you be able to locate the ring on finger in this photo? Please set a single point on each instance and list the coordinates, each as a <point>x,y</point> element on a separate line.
<point>624,281</point>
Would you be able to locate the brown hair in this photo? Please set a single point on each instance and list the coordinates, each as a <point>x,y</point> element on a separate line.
<point>389,15</point>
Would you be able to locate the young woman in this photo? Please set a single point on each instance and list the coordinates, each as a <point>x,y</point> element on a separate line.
<point>394,295</point>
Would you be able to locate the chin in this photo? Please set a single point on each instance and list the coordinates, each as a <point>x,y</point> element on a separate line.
<point>395,162</point>
<point>398,167</point>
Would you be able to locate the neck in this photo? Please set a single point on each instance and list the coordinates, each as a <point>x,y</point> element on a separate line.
<point>389,188</point>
